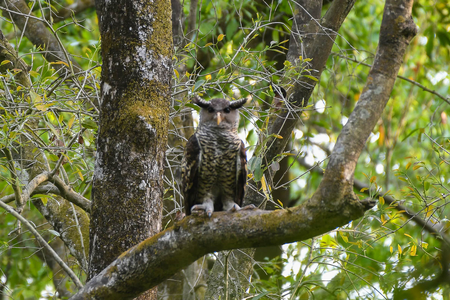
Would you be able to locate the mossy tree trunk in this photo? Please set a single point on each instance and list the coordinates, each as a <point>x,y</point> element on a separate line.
<point>135,97</point>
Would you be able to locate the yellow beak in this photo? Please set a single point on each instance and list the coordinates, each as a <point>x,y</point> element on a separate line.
<point>219,118</point>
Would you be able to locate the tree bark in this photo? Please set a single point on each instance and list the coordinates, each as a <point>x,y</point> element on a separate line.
<point>132,138</point>
<point>159,257</point>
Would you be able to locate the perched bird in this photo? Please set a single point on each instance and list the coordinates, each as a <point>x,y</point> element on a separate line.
<point>214,171</point>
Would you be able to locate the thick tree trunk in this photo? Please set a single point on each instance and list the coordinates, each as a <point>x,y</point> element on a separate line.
<point>135,98</point>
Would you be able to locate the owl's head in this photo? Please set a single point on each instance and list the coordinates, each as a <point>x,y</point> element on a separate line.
<point>219,113</point>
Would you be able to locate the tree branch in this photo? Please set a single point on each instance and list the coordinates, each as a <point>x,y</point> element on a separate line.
<point>435,229</point>
<point>63,190</point>
<point>7,52</point>
<point>397,29</point>
<point>14,181</point>
<point>159,257</point>
<point>446,99</point>
<point>59,215</point>
<point>318,51</point>
<point>69,11</point>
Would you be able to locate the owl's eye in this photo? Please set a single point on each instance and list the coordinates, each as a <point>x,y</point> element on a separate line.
<point>226,110</point>
<point>210,109</point>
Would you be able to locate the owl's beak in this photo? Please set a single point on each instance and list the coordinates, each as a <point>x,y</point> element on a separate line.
<point>219,118</point>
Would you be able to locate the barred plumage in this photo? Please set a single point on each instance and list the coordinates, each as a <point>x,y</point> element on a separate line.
<point>214,170</point>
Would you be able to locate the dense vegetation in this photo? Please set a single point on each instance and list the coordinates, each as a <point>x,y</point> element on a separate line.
<point>234,49</point>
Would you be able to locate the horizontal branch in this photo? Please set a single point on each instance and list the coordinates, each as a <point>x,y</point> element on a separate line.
<point>159,257</point>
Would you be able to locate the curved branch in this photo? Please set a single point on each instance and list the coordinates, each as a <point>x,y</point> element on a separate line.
<point>61,189</point>
<point>159,257</point>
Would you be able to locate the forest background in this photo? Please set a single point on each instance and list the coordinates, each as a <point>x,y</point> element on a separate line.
<point>50,104</point>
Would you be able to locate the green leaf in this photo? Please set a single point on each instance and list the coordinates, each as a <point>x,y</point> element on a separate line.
<point>254,163</point>
<point>260,296</point>
<point>409,134</point>
<point>198,84</point>
<point>258,174</point>
<point>89,124</point>
<point>54,232</point>
<point>311,77</point>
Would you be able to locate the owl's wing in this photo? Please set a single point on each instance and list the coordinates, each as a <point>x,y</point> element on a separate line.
<point>189,173</point>
<point>241,175</point>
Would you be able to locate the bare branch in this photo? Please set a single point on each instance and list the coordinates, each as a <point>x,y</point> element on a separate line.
<point>62,190</point>
<point>317,50</point>
<point>69,194</point>
<point>71,10</point>
<point>446,99</point>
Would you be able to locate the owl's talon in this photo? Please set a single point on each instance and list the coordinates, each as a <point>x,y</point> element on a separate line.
<point>249,207</point>
<point>234,208</point>
<point>199,210</point>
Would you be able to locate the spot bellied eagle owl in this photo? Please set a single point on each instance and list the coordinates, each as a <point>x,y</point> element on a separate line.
<point>214,171</point>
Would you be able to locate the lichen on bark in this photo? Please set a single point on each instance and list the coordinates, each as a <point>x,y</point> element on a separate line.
<point>134,116</point>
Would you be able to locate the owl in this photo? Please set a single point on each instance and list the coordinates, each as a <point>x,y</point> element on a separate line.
<point>214,168</point>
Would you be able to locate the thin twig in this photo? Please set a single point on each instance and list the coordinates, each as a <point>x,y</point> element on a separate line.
<point>58,164</point>
<point>14,180</point>
<point>401,77</point>
<point>84,262</point>
<point>43,243</point>
<point>414,216</point>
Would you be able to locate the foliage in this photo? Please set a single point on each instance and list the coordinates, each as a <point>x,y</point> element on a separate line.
<point>239,50</point>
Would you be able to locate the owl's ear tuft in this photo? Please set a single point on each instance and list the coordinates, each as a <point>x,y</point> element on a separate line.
<point>200,102</point>
<point>238,103</point>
